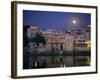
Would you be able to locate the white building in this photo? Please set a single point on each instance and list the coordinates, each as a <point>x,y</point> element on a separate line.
<point>69,39</point>
<point>82,41</point>
<point>58,41</point>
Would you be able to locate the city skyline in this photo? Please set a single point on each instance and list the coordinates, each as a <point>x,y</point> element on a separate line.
<point>55,20</point>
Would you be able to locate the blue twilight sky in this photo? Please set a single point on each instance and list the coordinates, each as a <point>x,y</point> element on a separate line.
<point>55,20</point>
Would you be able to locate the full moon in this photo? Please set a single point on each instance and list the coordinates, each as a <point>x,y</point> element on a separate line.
<point>74,21</point>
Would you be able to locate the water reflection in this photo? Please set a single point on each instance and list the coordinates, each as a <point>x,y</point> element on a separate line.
<point>41,61</point>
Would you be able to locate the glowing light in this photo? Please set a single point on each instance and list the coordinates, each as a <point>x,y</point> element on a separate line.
<point>88,44</point>
<point>74,21</point>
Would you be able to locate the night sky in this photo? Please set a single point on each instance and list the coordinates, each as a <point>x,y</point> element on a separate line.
<point>55,20</point>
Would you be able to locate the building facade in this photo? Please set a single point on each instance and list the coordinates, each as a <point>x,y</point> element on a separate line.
<point>82,41</point>
<point>64,41</point>
<point>58,41</point>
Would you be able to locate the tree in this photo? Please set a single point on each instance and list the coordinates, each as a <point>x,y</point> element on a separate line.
<point>39,38</point>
